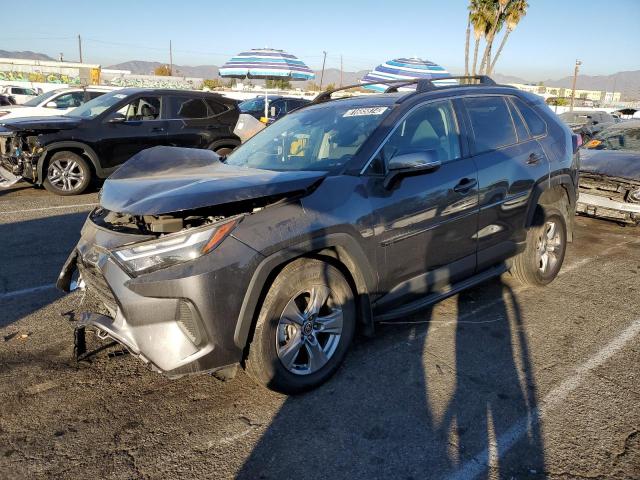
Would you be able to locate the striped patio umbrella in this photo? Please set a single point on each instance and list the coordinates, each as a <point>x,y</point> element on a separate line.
<point>406,69</point>
<point>267,64</point>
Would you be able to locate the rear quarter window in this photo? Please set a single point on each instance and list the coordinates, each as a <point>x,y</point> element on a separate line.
<point>536,125</point>
<point>491,123</point>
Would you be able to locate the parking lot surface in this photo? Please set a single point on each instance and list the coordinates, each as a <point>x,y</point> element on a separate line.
<point>498,382</point>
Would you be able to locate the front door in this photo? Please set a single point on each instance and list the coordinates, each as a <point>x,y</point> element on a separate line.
<point>424,224</point>
<point>133,128</point>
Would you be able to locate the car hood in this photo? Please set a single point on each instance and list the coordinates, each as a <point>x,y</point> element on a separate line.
<point>163,180</point>
<point>612,163</point>
<point>41,123</point>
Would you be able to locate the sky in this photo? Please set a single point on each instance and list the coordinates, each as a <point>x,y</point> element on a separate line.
<point>604,35</point>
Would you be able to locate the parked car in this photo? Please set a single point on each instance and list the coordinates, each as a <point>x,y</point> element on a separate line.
<point>65,153</point>
<point>277,108</point>
<point>20,94</point>
<point>342,213</point>
<point>610,174</point>
<point>587,123</point>
<point>6,100</point>
<point>54,102</point>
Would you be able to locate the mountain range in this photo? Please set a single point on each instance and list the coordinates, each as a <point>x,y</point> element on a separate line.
<point>628,83</point>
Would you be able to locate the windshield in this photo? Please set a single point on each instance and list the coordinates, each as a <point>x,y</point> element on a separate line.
<point>573,117</point>
<point>95,107</point>
<point>617,139</point>
<point>253,105</point>
<point>318,138</point>
<point>34,102</point>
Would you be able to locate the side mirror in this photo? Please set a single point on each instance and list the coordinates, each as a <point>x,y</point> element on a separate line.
<point>411,164</point>
<point>51,105</point>
<point>118,118</point>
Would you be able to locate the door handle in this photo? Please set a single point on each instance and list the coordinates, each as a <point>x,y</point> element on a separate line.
<point>533,159</point>
<point>465,185</point>
<point>157,129</point>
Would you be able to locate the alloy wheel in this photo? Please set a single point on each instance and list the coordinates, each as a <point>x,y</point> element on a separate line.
<point>66,175</point>
<point>548,247</point>
<point>309,330</point>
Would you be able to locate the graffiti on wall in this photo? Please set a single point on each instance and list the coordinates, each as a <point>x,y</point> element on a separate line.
<point>39,76</point>
<point>152,81</point>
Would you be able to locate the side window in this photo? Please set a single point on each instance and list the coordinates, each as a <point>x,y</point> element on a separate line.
<point>279,107</point>
<point>491,123</point>
<point>187,108</point>
<point>216,108</point>
<point>142,109</point>
<point>521,130</point>
<point>536,125</point>
<point>432,127</point>
<point>70,100</point>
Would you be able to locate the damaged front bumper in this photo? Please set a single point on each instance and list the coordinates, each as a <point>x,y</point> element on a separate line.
<point>177,320</point>
<point>18,159</point>
<point>603,207</point>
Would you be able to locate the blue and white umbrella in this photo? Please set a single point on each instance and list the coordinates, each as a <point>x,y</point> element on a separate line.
<point>267,64</point>
<point>406,69</point>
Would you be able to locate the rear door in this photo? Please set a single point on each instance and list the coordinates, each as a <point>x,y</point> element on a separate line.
<point>424,224</point>
<point>510,163</point>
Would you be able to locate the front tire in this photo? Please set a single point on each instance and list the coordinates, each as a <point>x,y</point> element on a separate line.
<point>67,174</point>
<point>546,244</point>
<point>304,329</point>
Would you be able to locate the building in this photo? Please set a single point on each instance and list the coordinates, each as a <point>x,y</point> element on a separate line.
<point>597,96</point>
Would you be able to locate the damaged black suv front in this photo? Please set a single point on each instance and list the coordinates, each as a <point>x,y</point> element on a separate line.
<point>610,175</point>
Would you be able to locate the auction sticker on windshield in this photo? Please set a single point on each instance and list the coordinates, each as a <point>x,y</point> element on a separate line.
<point>358,112</point>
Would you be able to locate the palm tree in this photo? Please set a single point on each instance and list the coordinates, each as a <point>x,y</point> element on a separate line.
<point>513,14</point>
<point>479,18</point>
<point>496,9</point>
<point>466,46</point>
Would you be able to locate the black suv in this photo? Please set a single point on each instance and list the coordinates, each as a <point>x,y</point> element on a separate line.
<point>278,106</point>
<point>340,214</point>
<point>65,153</point>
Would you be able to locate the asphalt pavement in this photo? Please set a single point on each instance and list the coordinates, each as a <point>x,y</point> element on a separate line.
<point>501,381</point>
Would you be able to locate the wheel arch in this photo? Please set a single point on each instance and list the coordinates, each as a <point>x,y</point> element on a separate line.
<point>78,148</point>
<point>554,192</point>
<point>340,250</point>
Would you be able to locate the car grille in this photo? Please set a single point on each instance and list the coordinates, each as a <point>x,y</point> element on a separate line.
<point>97,285</point>
<point>603,187</point>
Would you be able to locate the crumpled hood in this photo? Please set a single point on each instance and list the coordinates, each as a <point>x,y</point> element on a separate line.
<point>170,179</point>
<point>41,123</point>
<point>612,163</point>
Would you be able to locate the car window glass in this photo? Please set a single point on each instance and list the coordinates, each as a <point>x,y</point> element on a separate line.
<point>93,94</point>
<point>431,127</point>
<point>69,100</point>
<point>216,108</point>
<point>620,139</point>
<point>142,109</point>
<point>188,108</point>
<point>491,123</point>
<point>521,130</point>
<point>536,125</point>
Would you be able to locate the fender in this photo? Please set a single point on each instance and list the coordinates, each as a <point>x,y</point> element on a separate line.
<point>348,252</point>
<point>87,150</point>
<point>563,179</point>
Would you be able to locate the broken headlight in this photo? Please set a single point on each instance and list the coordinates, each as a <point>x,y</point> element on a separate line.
<point>634,195</point>
<point>172,249</point>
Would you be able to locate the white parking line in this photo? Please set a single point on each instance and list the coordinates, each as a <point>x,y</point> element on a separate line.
<point>25,291</point>
<point>44,209</point>
<point>491,455</point>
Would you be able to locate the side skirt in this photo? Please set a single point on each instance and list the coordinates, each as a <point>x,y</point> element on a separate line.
<point>445,292</point>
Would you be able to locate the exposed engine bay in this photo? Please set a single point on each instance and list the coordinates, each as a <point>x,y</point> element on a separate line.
<point>19,156</point>
<point>609,197</point>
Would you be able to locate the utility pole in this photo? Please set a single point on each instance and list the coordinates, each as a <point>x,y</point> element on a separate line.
<point>61,57</point>
<point>341,69</point>
<point>322,74</point>
<point>170,59</point>
<point>573,88</point>
<point>80,47</point>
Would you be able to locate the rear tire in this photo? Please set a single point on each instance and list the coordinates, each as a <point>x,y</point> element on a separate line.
<point>546,245</point>
<point>298,343</point>
<point>67,174</point>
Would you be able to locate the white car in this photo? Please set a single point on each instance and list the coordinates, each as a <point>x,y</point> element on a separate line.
<point>55,102</point>
<point>20,94</point>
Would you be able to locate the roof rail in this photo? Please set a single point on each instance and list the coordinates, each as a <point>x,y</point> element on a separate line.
<point>422,85</point>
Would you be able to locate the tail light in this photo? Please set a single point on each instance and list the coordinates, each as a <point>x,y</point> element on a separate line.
<point>577,142</point>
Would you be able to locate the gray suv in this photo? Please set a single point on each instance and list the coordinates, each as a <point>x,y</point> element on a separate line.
<point>346,212</point>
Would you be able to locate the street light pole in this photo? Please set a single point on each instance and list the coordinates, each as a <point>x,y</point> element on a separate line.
<point>573,88</point>
<point>80,47</point>
<point>322,73</point>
